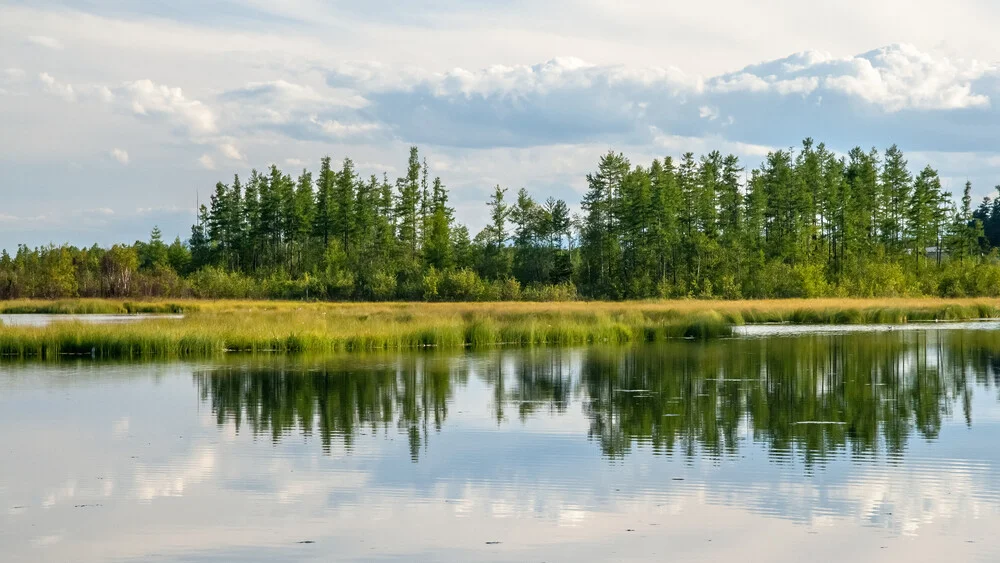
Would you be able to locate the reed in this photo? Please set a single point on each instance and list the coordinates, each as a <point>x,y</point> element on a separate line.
<point>321,328</point>
<point>217,327</point>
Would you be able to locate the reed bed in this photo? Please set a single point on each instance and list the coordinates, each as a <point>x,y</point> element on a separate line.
<point>212,328</point>
<point>270,328</point>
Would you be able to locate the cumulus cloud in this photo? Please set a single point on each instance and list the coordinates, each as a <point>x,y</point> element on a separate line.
<point>230,151</point>
<point>514,81</point>
<point>567,100</point>
<point>47,42</point>
<point>561,100</point>
<point>120,155</point>
<point>894,78</point>
<point>295,110</point>
<point>144,99</point>
<point>57,88</point>
<point>903,77</point>
<point>294,162</point>
<point>149,99</point>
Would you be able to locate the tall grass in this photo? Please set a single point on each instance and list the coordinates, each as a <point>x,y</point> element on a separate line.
<point>269,327</point>
<point>217,327</point>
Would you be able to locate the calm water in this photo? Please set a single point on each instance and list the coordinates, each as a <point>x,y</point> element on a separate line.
<point>875,446</point>
<point>42,319</point>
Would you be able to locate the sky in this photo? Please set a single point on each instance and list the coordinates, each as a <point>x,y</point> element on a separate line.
<point>118,115</point>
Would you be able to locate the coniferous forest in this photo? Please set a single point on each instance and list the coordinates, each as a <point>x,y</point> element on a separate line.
<point>806,223</point>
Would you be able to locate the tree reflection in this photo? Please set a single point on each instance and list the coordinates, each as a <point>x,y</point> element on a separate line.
<point>813,396</point>
<point>337,400</point>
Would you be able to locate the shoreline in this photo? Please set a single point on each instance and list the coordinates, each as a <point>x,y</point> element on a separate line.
<point>210,328</point>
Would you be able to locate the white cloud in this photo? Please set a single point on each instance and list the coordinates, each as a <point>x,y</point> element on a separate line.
<point>514,80</point>
<point>801,85</point>
<point>45,41</point>
<point>340,130</point>
<point>893,78</point>
<point>282,92</point>
<point>742,82</point>
<point>146,98</point>
<point>210,84</point>
<point>230,151</point>
<point>902,77</point>
<point>120,155</point>
<point>207,162</point>
<point>57,88</point>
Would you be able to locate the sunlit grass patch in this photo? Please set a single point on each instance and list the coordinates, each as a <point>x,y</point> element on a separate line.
<point>217,327</point>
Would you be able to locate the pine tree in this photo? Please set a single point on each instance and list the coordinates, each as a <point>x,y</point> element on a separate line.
<point>343,218</point>
<point>437,246</point>
<point>496,262</point>
<point>666,228</point>
<point>922,214</point>
<point>897,184</point>
<point>407,210</point>
<point>253,229</point>
<point>323,223</point>
<point>303,218</point>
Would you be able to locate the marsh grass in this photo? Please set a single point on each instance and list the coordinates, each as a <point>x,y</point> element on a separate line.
<point>216,327</point>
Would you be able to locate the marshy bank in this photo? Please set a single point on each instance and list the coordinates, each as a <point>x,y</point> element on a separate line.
<point>210,328</point>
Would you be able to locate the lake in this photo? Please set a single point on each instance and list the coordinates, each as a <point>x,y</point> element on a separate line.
<point>861,446</point>
<point>44,319</point>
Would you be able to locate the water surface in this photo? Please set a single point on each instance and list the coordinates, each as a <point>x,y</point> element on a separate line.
<point>873,447</point>
<point>45,319</point>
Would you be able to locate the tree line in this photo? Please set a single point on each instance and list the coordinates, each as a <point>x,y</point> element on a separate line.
<point>807,222</point>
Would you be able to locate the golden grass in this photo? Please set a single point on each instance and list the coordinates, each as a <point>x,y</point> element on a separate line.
<point>214,327</point>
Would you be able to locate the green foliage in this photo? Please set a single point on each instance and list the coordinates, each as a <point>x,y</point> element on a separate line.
<point>806,223</point>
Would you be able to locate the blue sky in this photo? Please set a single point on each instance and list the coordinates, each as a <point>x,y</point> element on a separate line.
<point>118,115</point>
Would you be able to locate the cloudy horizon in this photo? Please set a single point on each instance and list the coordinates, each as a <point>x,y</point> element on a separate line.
<point>118,117</point>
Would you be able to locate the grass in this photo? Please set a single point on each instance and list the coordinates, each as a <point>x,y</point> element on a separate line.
<point>232,326</point>
<point>216,327</point>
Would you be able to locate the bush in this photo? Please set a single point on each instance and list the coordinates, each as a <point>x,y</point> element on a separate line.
<point>812,280</point>
<point>383,286</point>
<point>462,285</point>
<point>509,289</point>
<point>432,279</point>
<point>775,279</point>
<point>877,279</point>
<point>565,291</point>
<point>986,281</point>
<point>213,283</point>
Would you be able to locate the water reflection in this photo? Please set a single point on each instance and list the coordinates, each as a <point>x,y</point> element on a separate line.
<point>813,395</point>
<point>844,446</point>
<point>44,319</point>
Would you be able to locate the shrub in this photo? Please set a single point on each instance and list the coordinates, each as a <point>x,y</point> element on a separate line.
<point>383,286</point>
<point>461,285</point>
<point>565,291</point>
<point>432,279</point>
